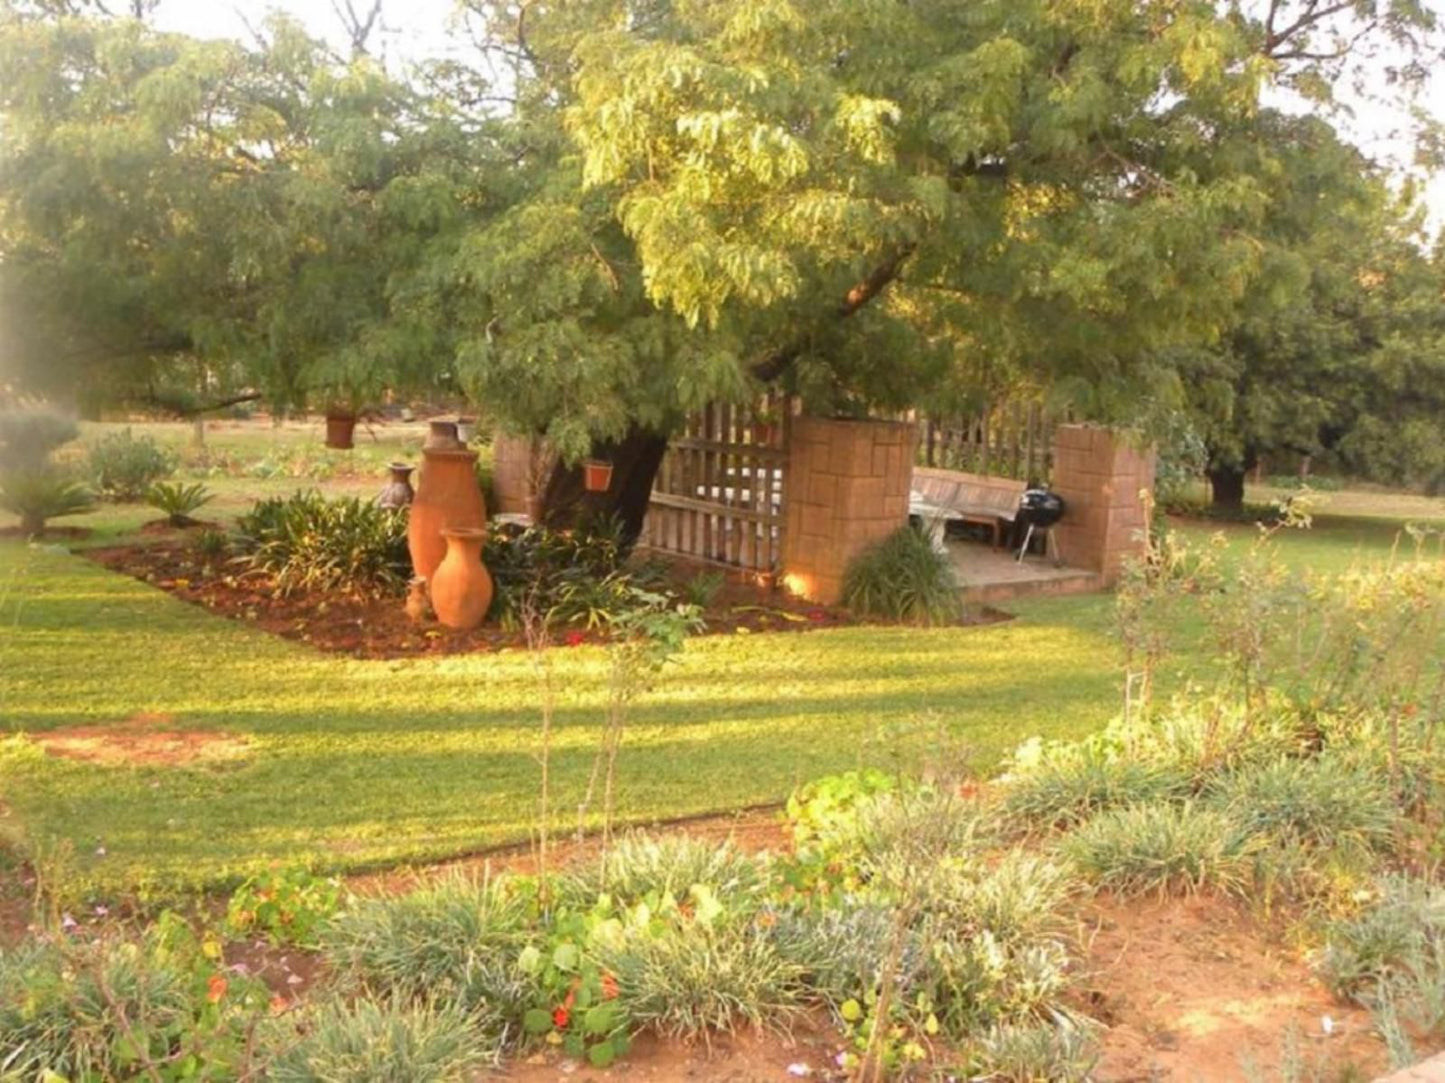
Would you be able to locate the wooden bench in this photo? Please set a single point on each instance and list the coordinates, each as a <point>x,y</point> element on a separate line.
<point>971,498</point>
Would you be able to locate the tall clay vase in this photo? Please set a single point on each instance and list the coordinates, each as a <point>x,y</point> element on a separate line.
<point>442,436</point>
<point>461,586</point>
<point>447,496</point>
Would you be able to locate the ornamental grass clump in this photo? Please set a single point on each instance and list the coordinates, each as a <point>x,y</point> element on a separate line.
<point>309,543</point>
<point>389,1041</point>
<point>1059,785</point>
<point>1405,922</point>
<point>1165,848</point>
<point>638,867</point>
<point>1062,1051</point>
<point>903,578</point>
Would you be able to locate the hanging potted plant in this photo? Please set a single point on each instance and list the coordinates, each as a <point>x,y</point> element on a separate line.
<point>346,382</point>
<point>597,475</point>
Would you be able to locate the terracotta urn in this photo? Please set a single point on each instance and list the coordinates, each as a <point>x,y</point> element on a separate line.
<point>398,492</point>
<point>447,496</point>
<point>442,436</point>
<point>461,587</point>
<point>340,428</point>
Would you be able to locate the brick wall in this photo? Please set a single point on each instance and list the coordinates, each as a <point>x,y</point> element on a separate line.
<point>1099,473</point>
<point>847,486</point>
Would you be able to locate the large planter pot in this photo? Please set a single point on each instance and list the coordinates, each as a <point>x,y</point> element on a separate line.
<point>461,586</point>
<point>447,497</point>
<point>398,492</point>
<point>340,428</point>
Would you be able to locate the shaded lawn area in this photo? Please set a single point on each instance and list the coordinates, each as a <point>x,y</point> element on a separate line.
<point>353,764</point>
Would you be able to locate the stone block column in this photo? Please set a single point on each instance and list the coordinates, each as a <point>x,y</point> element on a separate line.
<point>847,486</point>
<point>1100,474</point>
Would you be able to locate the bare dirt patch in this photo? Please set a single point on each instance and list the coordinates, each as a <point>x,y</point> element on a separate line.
<point>1198,989</point>
<point>143,740</point>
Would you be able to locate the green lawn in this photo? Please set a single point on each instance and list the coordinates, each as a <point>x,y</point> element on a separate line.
<point>352,764</point>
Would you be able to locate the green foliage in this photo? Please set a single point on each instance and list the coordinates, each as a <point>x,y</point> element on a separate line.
<point>178,501</point>
<point>387,1042</point>
<point>1403,922</point>
<point>1164,849</point>
<point>309,543</point>
<point>703,588</point>
<point>287,906</point>
<point>212,544</point>
<point>110,1008</point>
<point>29,435</point>
<point>574,574</point>
<point>37,496</point>
<point>125,466</point>
<point>903,578</point>
<point>1062,1052</point>
<point>1065,784</point>
<point>1324,801</point>
<point>823,818</point>
<point>640,867</point>
<point>455,940</point>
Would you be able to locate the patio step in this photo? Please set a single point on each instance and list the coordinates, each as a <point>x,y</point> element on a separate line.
<point>1058,581</point>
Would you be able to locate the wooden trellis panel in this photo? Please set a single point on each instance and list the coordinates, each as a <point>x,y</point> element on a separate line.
<point>719,495</point>
<point>1012,440</point>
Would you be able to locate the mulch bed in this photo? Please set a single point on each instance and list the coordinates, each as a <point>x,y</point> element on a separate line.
<point>370,628</point>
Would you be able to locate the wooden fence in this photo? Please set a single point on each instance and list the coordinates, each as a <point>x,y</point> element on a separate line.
<point>719,495</point>
<point>1013,441</point>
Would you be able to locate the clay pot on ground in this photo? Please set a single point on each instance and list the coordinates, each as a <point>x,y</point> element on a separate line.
<point>447,497</point>
<point>597,475</point>
<point>443,437</point>
<point>461,586</point>
<point>340,428</point>
<point>398,492</point>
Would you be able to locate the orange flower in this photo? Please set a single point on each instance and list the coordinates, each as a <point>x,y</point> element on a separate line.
<point>561,1017</point>
<point>279,1004</point>
<point>609,987</point>
<point>216,988</point>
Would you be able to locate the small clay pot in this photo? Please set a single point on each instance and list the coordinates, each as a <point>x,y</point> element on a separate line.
<point>466,429</point>
<point>340,429</point>
<point>398,492</point>
<point>447,495</point>
<point>597,475</point>
<point>443,437</point>
<point>461,587</point>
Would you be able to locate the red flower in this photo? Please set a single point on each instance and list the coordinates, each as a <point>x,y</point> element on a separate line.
<point>561,1017</point>
<point>575,638</point>
<point>609,987</point>
<point>215,988</point>
<point>817,615</point>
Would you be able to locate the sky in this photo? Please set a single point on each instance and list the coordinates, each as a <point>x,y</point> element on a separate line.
<point>412,29</point>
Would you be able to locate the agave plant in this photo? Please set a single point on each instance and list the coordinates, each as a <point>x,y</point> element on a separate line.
<point>178,501</point>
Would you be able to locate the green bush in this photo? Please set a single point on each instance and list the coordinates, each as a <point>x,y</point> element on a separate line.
<point>839,949</point>
<point>902,578</point>
<point>1067,783</point>
<point>1164,848</point>
<point>38,496</point>
<point>124,466</point>
<point>178,501</point>
<point>309,543</point>
<point>29,435</point>
<point>457,940</point>
<point>703,588</point>
<point>387,1042</point>
<point>1321,800</point>
<point>691,978</point>
<point>287,906</point>
<point>1058,1052</point>
<point>1405,922</point>
<point>573,574</point>
<point>639,866</point>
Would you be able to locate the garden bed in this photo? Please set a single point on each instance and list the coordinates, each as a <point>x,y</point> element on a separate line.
<point>379,628</point>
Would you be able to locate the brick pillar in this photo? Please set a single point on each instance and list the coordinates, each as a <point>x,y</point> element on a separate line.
<point>1100,474</point>
<point>847,486</point>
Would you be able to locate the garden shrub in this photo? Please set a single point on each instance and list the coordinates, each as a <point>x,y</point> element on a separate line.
<point>178,501</point>
<point>1065,783</point>
<point>1052,1052</point>
<point>638,867</point>
<point>902,578</point>
<point>575,575</point>
<point>458,940</point>
<point>1164,848</point>
<point>309,543</point>
<point>690,977</point>
<point>1321,800</point>
<point>124,466</point>
<point>37,496</point>
<point>389,1041</point>
<point>287,906</point>
<point>840,949</point>
<point>29,434</point>
<point>1406,921</point>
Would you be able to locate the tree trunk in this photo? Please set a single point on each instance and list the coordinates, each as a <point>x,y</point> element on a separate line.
<point>635,460</point>
<point>1227,484</point>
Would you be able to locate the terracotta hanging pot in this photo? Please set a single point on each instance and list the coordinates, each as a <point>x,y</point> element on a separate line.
<point>398,492</point>
<point>443,437</point>
<point>597,475</point>
<point>461,586</point>
<point>340,428</point>
<point>447,496</point>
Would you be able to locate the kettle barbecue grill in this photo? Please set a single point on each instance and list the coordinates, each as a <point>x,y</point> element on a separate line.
<point>1039,510</point>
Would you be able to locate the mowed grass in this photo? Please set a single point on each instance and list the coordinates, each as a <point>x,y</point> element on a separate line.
<point>350,764</point>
